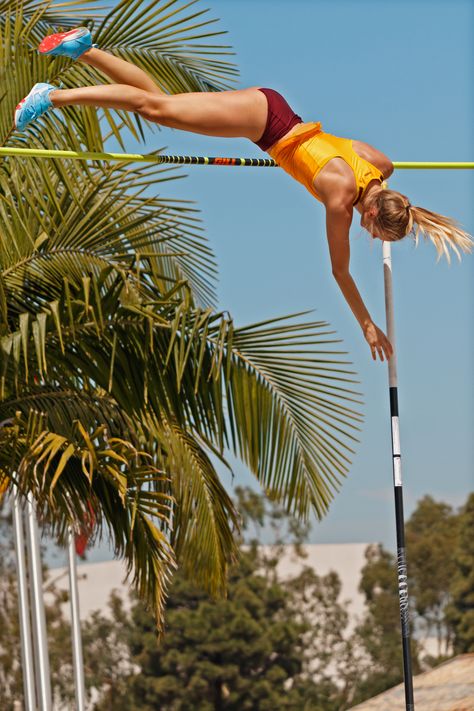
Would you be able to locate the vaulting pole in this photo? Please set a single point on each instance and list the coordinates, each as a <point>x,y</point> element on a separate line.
<point>78,662</point>
<point>397,482</point>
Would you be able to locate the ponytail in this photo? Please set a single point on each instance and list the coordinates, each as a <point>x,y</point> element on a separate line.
<point>443,232</point>
<point>397,218</point>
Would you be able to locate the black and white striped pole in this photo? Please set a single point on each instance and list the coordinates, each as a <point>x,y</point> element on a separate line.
<point>397,482</point>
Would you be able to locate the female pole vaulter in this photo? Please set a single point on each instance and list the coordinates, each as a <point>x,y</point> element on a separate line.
<point>341,173</point>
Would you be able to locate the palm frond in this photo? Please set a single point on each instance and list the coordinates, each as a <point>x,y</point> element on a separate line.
<point>63,408</point>
<point>204,518</point>
<point>169,34</point>
<point>50,12</point>
<point>111,221</point>
<point>281,393</point>
<point>71,476</point>
<point>293,410</point>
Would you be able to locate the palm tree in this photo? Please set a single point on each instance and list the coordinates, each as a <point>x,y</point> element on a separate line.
<point>120,383</point>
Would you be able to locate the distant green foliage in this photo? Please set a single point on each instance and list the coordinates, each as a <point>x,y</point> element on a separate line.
<point>440,562</point>
<point>460,612</point>
<point>432,535</point>
<point>10,665</point>
<point>271,643</point>
<point>379,634</point>
<point>237,653</point>
<point>268,645</point>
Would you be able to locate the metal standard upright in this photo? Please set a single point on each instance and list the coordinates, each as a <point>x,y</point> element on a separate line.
<point>78,662</point>
<point>397,482</point>
<point>24,606</point>
<point>37,608</point>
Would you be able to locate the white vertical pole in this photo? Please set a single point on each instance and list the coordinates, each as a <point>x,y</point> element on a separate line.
<point>397,482</point>
<point>23,607</point>
<point>37,604</point>
<point>78,661</point>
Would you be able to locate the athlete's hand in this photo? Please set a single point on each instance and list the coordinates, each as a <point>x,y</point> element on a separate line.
<point>378,342</point>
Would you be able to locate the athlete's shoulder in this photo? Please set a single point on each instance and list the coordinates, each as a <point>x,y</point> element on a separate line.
<point>374,156</point>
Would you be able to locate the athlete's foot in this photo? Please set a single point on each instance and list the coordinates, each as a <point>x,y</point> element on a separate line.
<point>34,105</point>
<point>72,44</point>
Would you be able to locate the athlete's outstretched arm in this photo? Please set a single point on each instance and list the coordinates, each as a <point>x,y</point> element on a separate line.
<point>338,222</point>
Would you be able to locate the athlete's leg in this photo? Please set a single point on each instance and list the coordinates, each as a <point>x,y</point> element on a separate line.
<point>120,71</point>
<point>227,113</point>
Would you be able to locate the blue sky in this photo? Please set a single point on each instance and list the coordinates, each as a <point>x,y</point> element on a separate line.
<point>398,75</point>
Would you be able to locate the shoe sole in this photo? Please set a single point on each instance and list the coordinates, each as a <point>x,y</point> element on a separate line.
<point>50,43</point>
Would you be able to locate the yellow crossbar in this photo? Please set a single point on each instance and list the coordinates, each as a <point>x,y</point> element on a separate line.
<point>202,160</point>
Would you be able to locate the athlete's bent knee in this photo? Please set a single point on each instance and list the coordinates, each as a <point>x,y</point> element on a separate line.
<point>152,108</point>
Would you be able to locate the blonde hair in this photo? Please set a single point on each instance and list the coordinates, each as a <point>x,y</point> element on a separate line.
<point>396,218</point>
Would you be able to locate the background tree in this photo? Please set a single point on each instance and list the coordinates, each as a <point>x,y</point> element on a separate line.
<point>271,644</point>
<point>120,380</point>
<point>438,543</point>
<point>107,661</point>
<point>329,655</point>
<point>289,633</point>
<point>460,612</point>
<point>378,636</point>
<point>431,536</point>
<point>11,682</point>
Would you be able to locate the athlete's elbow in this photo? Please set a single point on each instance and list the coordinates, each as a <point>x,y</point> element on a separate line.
<point>340,274</point>
<point>388,170</point>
